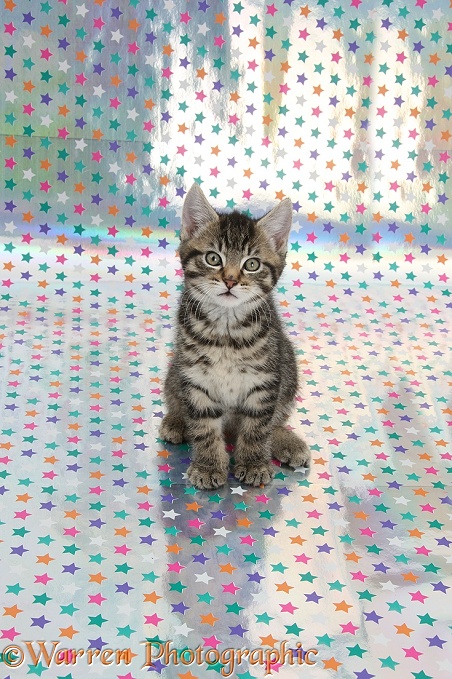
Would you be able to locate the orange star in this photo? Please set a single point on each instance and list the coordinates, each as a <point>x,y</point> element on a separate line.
<point>209,619</point>
<point>68,632</point>
<point>268,641</point>
<point>331,664</point>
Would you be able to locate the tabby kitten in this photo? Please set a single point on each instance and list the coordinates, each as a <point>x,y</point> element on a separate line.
<point>233,363</point>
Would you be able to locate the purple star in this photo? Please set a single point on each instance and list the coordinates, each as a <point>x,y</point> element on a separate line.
<point>125,588</point>
<point>364,674</point>
<point>40,622</point>
<point>439,587</point>
<point>70,568</point>
<point>98,643</point>
<point>436,641</point>
<point>313,597</point>
<point>200,558</point>
<point>180,608</point>
<point>238,630</point>
<point>20,550</point>
<point>270,531</point>
<point>63,44</point>
<point>324,548</point>
<point>255,577</point>
<point>373,617</point>
<point>386,23</point>
<point>147,539</point>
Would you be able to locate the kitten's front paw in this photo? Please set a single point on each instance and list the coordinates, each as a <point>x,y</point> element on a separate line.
<point>172,429</point>
<point>288,448</point>
<point>206,478</point>
<point>254,474</point>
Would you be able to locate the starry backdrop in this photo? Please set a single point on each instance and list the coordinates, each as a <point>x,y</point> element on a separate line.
<point>110,110</point>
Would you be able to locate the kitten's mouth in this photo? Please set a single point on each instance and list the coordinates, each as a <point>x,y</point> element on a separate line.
<point>228,293</point>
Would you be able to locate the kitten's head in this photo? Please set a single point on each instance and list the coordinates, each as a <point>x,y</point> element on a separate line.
<point>231,259</point>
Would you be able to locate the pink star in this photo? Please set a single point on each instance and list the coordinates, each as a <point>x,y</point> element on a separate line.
<point>175,567</point>
<point>211,641</point>
<point>417,596</point>
<point>288,608</point>
<point>350,628</point>
<point>247,540</point>
<point>412,653</point>
<point>9,633</point>
<point>230,589</point>
<point>271,9</point>
<point>152,619</point>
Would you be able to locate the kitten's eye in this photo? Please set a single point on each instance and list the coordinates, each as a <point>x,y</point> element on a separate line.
<point>213,259</point>
<point>252,264</point>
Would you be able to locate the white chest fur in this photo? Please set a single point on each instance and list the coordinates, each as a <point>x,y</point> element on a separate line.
<point>229,378</point>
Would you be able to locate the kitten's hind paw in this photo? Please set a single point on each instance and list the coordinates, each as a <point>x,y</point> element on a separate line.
<point>287,447</point>
<point>172,429</point>
<point>206,478</point>
<point>254,474</point>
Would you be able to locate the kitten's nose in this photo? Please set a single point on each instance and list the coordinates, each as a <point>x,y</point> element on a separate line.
<point>230,282</point>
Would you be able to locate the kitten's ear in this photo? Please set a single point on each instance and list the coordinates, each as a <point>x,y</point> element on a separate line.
<point>196,212</point>
<point>277,224</point>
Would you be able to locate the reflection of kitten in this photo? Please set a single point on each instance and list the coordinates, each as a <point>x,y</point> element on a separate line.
<point>232,358</point>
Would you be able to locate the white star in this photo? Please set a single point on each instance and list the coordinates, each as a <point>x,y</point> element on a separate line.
<point>121,498</point>
<point>183,630</point>
<point>125,609</point>
<point>10,227</point>
<point>28,41</point>
<point>63,66</point>
<point>221,531</point>
<point>63,197</point>
<point>203,577</point>
<point>96,220</point>
<point>71,588</point>
<point>114,168</point>
<point>98,91</point>
<point>80,144</point>
<point>389,586</point>
<point>132,114</point>
<point>203,29</point>
<point>29,174</point>
<point>98,541</point>
<point>81,10</point>
<point>11,96</point>
<point>46,121</point>
<point>401,500</point>
<point>116,36</point>
<point>238,490</point>
<point>170,515</point>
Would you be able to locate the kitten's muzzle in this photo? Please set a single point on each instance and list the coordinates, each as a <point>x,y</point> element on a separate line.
<point>229,282</point>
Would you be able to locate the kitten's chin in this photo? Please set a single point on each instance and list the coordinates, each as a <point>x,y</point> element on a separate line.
<point>228,300</point>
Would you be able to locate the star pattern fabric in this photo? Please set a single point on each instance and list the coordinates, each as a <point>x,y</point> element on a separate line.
<point>110,111</point>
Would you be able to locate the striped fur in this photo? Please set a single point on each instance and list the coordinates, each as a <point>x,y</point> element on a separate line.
<point>234,368</point>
